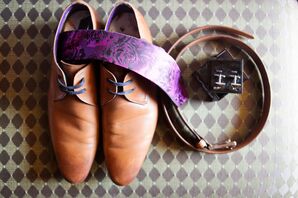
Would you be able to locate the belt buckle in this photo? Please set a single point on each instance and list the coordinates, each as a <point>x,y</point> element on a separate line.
<point>226,145</point>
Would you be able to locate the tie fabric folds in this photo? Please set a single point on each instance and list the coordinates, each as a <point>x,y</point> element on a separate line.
<point>134,54</point>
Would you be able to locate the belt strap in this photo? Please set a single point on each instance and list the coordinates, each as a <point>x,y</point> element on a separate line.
<point>175,117</point>
<point>137,55</point>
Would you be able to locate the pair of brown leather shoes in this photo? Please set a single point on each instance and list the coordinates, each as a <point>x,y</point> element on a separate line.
<point>129,113</point>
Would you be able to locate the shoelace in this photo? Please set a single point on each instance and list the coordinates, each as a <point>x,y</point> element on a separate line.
<point>71,90</point>
<point>120,84</point>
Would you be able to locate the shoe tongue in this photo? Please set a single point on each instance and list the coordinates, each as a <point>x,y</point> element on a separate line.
<point>70,70</point>
<point>117,71</point>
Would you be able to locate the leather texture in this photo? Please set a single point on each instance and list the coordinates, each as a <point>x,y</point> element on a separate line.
<point>176,120</point>
<point>73,119</point>
<point>129,121</point>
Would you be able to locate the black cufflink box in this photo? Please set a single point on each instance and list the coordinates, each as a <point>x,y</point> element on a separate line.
<point>221,75</point>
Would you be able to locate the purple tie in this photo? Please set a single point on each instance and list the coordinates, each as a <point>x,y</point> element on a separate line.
<point>137,55</point>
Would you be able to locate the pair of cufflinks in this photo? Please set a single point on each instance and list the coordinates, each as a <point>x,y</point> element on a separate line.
<point>221,75</point>
<point>226,76</point>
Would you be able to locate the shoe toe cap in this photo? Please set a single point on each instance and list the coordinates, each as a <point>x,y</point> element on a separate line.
<point>74,169</point>
<point>124,165</point>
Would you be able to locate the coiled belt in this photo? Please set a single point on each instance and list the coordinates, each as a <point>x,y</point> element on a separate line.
<point>177,122</point>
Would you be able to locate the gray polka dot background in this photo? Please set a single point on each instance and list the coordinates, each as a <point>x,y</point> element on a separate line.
<point>266,168</point>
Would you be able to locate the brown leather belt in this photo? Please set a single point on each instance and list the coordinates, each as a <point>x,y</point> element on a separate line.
<point>180,126</point>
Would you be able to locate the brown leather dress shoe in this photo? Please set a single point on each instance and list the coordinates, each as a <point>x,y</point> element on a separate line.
<point>129,106</point>
<point>72,101</point>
